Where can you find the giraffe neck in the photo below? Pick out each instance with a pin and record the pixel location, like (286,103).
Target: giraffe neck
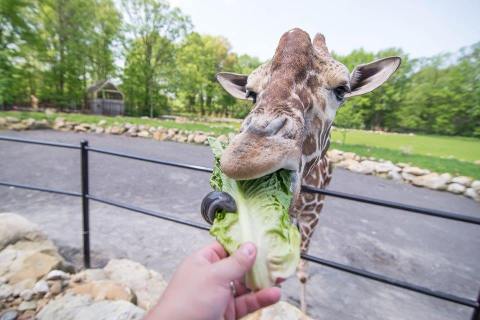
(322,143)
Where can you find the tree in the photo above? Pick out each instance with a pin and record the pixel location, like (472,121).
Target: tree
(152,27)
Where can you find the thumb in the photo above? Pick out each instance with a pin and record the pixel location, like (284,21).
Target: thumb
(235,266)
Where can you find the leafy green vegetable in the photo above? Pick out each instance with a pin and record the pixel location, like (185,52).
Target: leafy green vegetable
(262,218)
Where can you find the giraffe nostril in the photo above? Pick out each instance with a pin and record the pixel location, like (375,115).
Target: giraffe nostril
(267,128)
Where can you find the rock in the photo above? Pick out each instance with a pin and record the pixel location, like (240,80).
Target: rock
(56,287)
(407,176)
(50,112)
(82,307)
(385,167)
(99,130)
(26,294)
(102,123)
(14,228)
(159,135)
(335,155)
(470,192)
(117,130)
(41,124)
(5,291)
(147,285)
(190,138)
(432,181)
(27,305)
(18,126)
(80,128)
(144,134)
(394,175)
(27,315)
(223,138)
(34,267)
(466,181)
(477,162)
(9,315)
(347,163)
(456,188)
(364,167)
(199,138)
(105,290)
(279,311)
(350,156)
(57,275)
(93,275)
(416,171)
(41,288)
(12,119)
(476,186)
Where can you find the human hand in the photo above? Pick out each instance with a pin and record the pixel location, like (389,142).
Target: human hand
(200,288)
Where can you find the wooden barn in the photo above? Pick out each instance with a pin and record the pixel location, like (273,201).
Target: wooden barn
(105,98)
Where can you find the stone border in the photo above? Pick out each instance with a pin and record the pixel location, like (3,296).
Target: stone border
(419,177)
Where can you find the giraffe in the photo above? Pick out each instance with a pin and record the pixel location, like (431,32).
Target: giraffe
(296,95)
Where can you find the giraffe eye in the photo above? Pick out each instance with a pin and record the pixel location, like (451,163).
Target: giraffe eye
(340,92)
(251,94)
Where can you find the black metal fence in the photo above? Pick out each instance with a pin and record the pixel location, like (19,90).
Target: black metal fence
(85,195)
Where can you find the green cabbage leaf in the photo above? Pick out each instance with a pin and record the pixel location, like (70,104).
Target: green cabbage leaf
(262,218)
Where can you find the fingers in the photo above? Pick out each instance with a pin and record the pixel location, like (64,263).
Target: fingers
(213,252)
(235,266)
(240,288)
(253,301)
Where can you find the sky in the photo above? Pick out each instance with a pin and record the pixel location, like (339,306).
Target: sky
(421,28)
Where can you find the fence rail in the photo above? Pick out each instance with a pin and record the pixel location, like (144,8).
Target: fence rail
(86,197)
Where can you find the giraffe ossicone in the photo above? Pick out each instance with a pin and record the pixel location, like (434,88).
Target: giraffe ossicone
(296,96)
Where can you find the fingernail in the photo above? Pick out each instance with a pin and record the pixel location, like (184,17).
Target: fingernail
(248,249)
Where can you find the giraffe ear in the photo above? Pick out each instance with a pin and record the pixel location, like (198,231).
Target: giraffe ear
(367,77)
(234,83)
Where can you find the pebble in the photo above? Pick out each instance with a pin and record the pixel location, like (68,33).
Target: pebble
(26,294)
(57,275)
(56,287)
(9,315)
(27,305)
(41,287)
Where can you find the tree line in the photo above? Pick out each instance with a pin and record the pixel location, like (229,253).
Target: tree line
(55,49)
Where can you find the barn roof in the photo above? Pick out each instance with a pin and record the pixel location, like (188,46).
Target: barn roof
(101,84)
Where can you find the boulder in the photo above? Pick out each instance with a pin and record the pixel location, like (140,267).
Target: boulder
(280,311)
(27,305)
(476,186)
(3,122)
(9,315)
(33,266)
(18,126)
(394,175)
(99,130)
(466,181)
(456,188)
(364,167)
(159,135)
(385,167)
(41,124)
(147,285)
(416,171)
(105,290)
(117,130)
(102,123)
(41,288)
(14,228)
(223,138)
(144,134)
(470,192)
(83,307)
(347,163)
(12,119)
(199,138)
(432,181)
(335,155)
(350,155)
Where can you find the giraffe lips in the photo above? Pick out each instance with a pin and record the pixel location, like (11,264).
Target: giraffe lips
(250,156)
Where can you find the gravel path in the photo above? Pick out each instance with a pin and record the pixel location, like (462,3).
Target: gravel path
(432,252)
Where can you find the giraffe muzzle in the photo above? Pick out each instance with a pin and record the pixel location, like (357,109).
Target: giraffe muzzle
(215,202)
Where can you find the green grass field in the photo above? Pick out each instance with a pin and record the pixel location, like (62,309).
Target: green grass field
(437,153)
(461,148)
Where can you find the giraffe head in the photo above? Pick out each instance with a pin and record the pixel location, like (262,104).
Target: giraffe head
(296,95)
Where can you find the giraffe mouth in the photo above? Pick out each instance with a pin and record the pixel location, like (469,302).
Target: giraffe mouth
(251,156)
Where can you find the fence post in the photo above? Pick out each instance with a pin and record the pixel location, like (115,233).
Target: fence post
(85,203)
(476,311)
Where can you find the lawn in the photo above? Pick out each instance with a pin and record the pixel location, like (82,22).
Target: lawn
(461,148)
(437,153)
